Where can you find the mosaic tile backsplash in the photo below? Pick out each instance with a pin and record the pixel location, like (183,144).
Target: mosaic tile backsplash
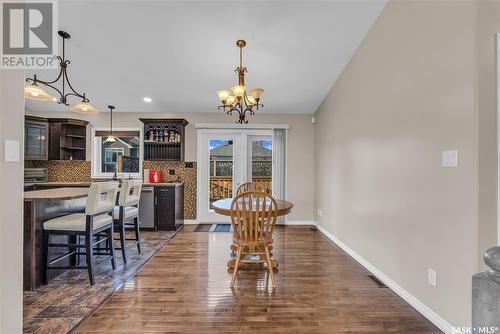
(80,171)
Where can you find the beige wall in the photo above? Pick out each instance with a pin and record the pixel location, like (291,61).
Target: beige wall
(488,26)
(300,145)
(11,203)
(407,95)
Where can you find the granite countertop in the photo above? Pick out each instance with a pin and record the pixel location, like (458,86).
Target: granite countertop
(164,184)
(87,184)
(73,184)
(56,193)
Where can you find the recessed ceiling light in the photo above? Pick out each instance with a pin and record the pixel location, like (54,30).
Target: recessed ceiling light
(148,99)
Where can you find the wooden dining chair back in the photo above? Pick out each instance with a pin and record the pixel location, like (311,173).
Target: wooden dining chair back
(253,218)
(248,186)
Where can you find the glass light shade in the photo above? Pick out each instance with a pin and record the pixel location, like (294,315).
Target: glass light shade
(257,93)
(223,94)
(35,93)
(84,108)
(238,90)
(251,100)
(110,139)
(230,100)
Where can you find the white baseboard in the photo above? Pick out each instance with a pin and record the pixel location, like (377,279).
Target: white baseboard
(409,298)
(289,222)
(298,222)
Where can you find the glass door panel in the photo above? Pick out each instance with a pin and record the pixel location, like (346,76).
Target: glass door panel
(221,169)
(219,172)
(260,161)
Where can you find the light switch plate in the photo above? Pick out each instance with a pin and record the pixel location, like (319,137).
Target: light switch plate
(450,158)
(432,277)
(11,150)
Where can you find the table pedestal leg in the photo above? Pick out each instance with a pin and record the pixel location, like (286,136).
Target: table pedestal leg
(232,261)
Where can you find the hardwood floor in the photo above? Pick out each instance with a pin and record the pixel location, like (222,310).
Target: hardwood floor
(60,305)
(185,289)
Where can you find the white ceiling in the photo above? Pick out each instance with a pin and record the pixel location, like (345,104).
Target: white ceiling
(180,52)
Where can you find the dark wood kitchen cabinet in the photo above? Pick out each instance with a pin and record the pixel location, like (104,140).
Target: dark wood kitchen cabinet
(36,138)
(169,207)
(164,138)
(68,139)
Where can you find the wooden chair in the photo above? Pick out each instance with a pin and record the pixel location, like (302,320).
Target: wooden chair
(126,215)
(253,217)
(248,186)
(93,223)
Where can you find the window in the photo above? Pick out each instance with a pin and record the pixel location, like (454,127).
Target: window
(123,156)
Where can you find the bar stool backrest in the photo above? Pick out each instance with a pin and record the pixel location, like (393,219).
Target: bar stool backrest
(102,198)
(130,193)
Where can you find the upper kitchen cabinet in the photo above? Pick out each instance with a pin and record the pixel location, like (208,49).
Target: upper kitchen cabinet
(68,139)
(36,138)
(164,139)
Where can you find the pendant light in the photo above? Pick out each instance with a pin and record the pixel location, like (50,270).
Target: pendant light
(36,93)
(65,89)
(111,138)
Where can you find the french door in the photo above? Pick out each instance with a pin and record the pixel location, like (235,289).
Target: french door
(228,158)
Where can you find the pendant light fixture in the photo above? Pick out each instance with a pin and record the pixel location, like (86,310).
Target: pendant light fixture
(111,138)
(36,93)
(237,99)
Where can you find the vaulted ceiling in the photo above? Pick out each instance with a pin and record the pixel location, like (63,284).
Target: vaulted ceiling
(180,52)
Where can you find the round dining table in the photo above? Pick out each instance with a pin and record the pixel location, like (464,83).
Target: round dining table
(223,207)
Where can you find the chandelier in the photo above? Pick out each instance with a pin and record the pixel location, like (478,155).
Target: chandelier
(237,99)
(36,93)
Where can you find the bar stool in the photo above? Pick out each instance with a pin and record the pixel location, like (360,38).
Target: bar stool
(96,221)
(126,215)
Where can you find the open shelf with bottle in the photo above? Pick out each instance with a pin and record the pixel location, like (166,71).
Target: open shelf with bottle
(164,139)
(68,139)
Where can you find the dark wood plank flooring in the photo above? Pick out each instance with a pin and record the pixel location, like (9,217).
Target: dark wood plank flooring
(321,289)
(60,305)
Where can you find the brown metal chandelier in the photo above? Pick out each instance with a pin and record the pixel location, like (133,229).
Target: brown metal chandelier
(237,99)
(36,93)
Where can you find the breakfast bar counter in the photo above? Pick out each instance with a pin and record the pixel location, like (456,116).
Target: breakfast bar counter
(40,206)
(56,194)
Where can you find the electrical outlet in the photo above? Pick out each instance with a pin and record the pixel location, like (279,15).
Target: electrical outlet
(320,212)
(432,279)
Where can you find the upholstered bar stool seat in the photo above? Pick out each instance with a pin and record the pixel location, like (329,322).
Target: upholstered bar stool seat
(128,212)
(96,222)
(76,222)
(126,215)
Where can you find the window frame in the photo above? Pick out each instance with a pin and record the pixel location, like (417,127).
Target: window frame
(96,153)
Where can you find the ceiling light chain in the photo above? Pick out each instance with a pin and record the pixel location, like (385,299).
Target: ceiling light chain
(237,99)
